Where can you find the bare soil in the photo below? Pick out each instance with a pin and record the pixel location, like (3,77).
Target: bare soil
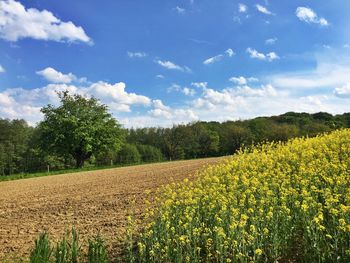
(93,202)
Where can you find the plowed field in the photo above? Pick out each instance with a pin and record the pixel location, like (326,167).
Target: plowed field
(92,202)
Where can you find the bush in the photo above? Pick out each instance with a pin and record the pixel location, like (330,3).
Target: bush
(129,154)
(150,153)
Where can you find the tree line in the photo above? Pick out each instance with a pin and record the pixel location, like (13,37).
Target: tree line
(81,131)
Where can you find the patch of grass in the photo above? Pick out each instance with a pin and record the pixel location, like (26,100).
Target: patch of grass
(97,252)
(42,250)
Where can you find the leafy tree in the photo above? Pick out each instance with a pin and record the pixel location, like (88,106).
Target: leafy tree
(79,127)
(150,153)
(129,154)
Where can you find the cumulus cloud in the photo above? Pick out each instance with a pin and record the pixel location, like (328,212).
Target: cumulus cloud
(17,22)
(242,8)
(308,15)
(24,103)
(263,9)
(175,115)
(136,54)
(2,69)
(170,65)
(343,92)
(55,76)
(261,56)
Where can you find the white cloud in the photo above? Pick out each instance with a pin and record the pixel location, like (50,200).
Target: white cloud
(175,115)
(173,66)
(184,90)
(116,93)
(271,41)
(242,8)
(136,54)
(201,85)
(307,15)
(263,9)
(17,22)
(343,92)
(325,75)
(180,10)
(23,103)
(229,52)
(160,76)
(55,76)
(2,69)
(268,57)
(212,59)
(242,80)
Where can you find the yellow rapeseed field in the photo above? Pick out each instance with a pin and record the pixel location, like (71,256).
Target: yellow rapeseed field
(275,203)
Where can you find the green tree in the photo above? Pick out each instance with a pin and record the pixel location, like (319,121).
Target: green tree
(79,127)
(129,154)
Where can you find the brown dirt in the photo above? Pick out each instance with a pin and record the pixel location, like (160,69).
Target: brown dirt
(93,202)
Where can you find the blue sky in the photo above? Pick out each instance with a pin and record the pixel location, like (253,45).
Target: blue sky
(165,62)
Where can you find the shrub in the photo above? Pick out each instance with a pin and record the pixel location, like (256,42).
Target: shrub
(129,155)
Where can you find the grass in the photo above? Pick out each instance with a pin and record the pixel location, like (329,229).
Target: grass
(77,170)
(65,171)
(68,250)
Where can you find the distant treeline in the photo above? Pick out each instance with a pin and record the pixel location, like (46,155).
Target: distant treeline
(20,150)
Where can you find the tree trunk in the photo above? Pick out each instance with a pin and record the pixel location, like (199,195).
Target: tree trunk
(79,161)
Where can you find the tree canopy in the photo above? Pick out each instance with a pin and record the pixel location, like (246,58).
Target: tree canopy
(79,128)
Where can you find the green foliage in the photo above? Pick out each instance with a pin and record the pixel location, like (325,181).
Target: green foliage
(67,251)
(79,128)
(97,252)
(150,153)
(42,250)
(129,154)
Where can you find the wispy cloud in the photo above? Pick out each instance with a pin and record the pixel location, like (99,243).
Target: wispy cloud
(136,54)
(172,66)
(180,10)
(261,56)
(263,9)
(184,90)
(308,15)
(2,69)
(228,52)
(242,80)
(271,41)
(213,59)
